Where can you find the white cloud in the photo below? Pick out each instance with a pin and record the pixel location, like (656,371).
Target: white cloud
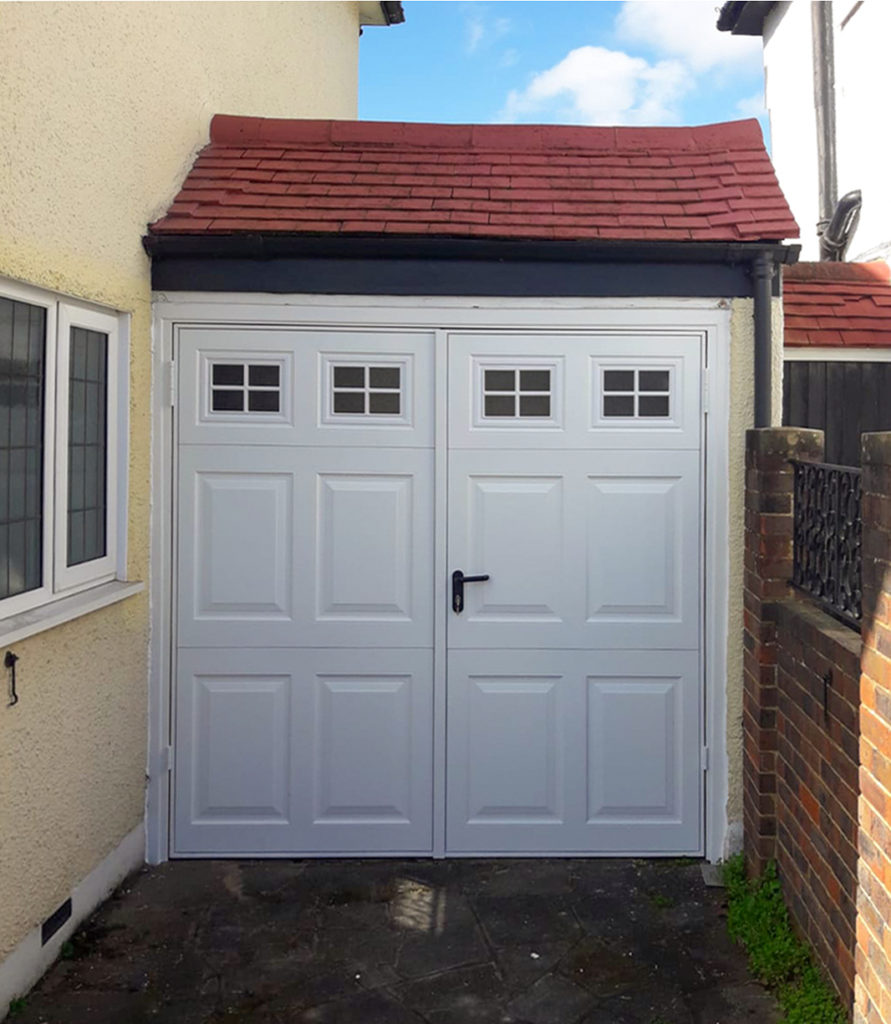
(688,32)
(474,31)
(752,106)
(593,85)
(482,31)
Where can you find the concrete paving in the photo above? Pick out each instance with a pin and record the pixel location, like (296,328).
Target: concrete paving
(405,942)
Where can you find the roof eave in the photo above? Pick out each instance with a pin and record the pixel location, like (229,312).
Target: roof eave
(387,12)
(744,17)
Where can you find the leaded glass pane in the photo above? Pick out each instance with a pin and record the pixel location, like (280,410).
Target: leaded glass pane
(87,445)
(22,368)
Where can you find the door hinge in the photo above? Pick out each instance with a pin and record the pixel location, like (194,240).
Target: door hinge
(170,383)
(704,759)
(705,395)
(166,760)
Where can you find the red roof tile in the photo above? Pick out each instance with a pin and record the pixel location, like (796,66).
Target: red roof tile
(837,304)
(713,182)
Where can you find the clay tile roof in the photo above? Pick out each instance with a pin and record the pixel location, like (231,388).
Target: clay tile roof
(708,183)
(832,304)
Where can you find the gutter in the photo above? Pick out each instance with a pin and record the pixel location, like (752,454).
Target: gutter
(275,246)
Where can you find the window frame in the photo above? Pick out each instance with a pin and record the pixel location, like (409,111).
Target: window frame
(59,580)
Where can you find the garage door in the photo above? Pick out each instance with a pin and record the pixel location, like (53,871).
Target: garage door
(306,492)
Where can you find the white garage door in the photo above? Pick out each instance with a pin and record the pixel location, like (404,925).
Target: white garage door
(304,697)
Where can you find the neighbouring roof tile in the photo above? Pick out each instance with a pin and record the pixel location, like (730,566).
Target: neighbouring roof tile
(706,183)
(837,304)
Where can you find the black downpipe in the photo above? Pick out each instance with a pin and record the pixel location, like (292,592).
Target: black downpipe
(762,273)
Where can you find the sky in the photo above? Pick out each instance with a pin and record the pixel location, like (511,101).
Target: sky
(498,61)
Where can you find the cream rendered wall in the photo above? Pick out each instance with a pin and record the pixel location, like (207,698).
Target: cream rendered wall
(102,108)
(742,417)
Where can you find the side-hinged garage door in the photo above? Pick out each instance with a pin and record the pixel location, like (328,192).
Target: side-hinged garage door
(303,706)
(574,699)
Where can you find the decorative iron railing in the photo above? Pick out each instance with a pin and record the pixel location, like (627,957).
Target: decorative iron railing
(826,558)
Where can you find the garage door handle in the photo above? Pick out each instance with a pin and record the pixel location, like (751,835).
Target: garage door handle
(458,581)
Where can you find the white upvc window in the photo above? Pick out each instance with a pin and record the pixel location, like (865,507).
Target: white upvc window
(62,449)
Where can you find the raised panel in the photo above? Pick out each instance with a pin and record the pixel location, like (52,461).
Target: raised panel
(242,547)
(634,748)
(365,547)
(515,531)
(633,561)
(513,764)
(364,749)
(239,749)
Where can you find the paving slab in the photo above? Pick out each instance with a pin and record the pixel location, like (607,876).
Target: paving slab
(526,941)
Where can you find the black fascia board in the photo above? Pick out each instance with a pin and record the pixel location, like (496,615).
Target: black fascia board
(744,18)
(278,245)
(458,267)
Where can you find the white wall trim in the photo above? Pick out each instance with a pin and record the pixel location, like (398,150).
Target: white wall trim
(443,314)
(26,964)
(842,354)
(717,582)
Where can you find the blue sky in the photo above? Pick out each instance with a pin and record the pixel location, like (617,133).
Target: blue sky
(543,62)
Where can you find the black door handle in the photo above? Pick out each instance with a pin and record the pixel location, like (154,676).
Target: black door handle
(458,581)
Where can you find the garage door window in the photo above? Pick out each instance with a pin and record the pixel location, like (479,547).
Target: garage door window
(366,390)
(245,387)
(636,393)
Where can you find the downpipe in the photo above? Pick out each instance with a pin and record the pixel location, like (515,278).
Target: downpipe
(763,269)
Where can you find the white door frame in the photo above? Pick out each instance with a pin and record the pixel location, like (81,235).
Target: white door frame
(711,317)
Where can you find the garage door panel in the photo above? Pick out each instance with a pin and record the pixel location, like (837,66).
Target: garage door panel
(364,749)
(515,528)
(240,748)
(263,385)
(316,751)
(243,543)
(234,784)
(642,533)
(367,580)
(365,551)
(287,547)
(506,782)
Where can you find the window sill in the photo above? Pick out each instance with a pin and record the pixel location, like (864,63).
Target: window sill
(64,609)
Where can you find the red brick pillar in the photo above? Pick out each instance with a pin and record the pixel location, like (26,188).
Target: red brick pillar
(768,569)
(873,958)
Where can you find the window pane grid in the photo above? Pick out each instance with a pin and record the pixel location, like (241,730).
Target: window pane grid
(366,390)
(636,394)
(87,445)
(509,393)
(245,387)
(22,369)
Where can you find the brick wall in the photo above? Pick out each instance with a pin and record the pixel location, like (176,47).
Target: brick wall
(873,983)
(768,568)
(801,718)
(818,691)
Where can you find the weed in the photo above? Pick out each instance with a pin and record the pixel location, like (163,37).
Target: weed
(659,899)
(757,918)
(67,951)
(17,1006)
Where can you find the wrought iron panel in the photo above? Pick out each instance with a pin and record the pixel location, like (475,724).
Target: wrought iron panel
(827,532)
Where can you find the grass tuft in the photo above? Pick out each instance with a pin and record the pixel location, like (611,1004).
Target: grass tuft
(757,918)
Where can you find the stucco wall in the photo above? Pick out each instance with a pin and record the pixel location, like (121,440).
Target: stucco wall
(863,146)
(742,417)
(789,91)
(863,150)
(102,107)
